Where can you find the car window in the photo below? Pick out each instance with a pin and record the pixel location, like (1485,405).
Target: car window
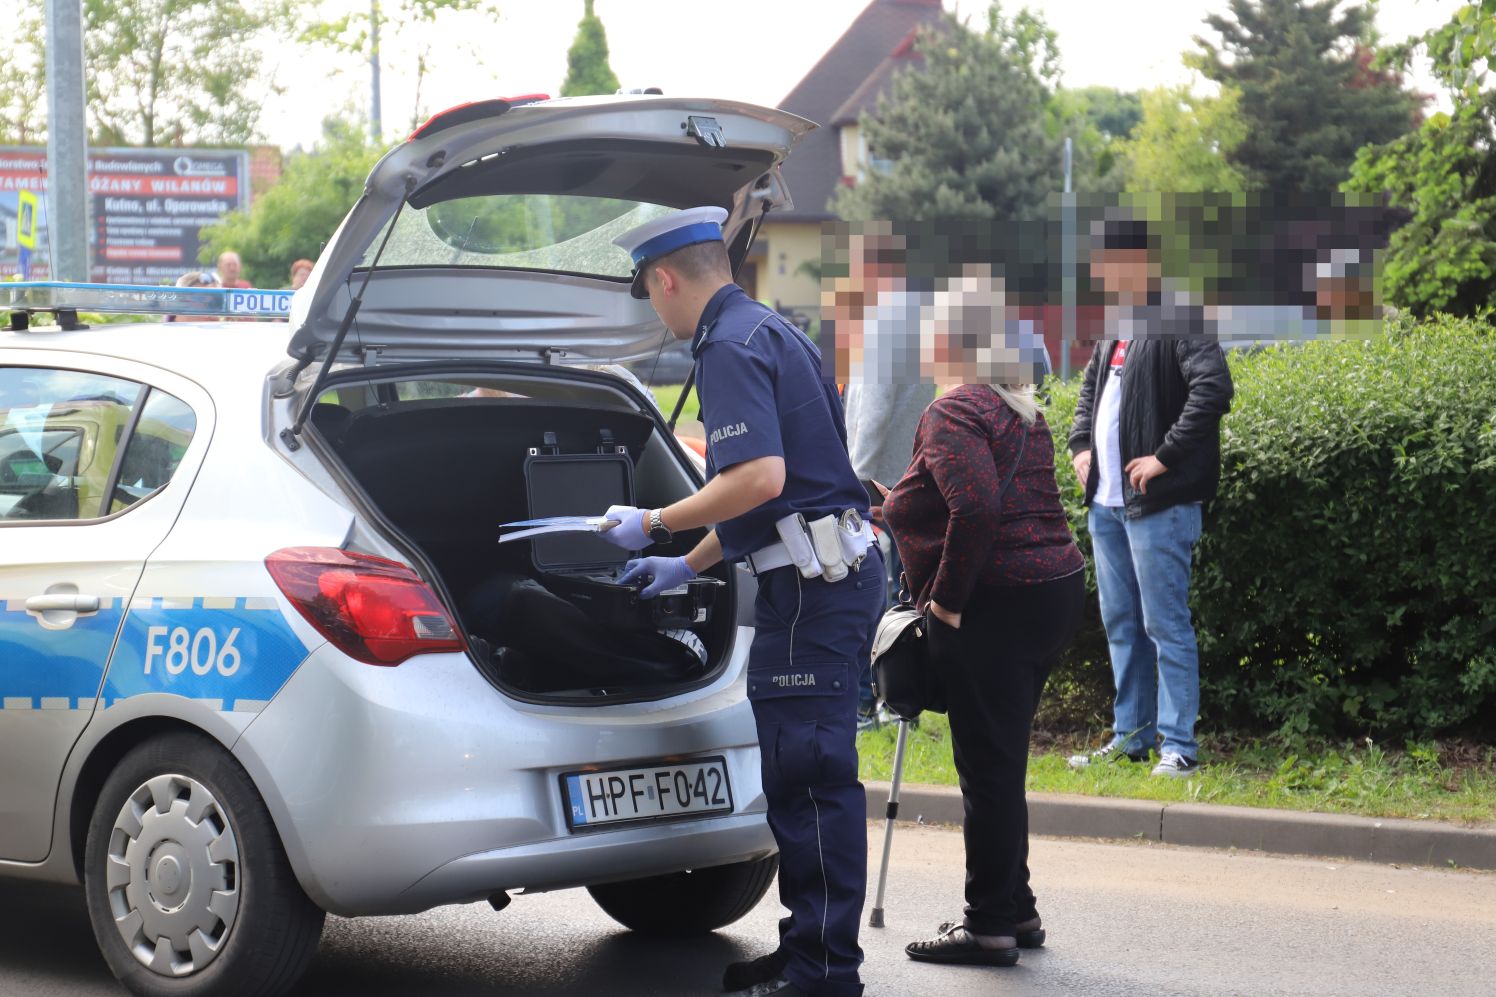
(61,433)
(155,449)
(561,232)
(411,391)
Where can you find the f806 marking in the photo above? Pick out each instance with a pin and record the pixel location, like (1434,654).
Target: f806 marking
(198,650)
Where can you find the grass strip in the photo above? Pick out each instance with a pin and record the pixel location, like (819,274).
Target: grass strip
(1447,781)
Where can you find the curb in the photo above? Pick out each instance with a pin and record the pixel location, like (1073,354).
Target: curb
(1280,832)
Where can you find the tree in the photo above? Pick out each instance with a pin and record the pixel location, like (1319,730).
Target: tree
(964,133)
(160,72)
(297,216)
(1444,176)
(1114,113)
(175,72)
(587,69)
(1098,120)
(1306,100)
(353,32)
(1184,142)
(23,80)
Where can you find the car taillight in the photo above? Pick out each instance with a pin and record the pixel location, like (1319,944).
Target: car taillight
(373,609)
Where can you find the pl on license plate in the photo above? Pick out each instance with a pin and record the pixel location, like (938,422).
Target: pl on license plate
(651,793)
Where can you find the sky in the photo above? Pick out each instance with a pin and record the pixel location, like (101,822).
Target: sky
(755,51)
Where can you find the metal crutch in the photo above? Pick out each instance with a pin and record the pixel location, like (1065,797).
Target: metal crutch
(876,918)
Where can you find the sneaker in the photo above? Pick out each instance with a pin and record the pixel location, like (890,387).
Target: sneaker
(1176,765)
(1113,752)
(742,975)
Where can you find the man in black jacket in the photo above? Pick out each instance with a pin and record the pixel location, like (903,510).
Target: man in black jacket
(1146,445)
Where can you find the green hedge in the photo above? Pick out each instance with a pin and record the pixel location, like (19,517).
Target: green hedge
(1346,581)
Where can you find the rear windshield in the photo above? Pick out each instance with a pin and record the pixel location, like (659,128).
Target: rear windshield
(560,232)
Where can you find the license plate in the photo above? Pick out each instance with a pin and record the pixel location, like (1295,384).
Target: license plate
(654,792)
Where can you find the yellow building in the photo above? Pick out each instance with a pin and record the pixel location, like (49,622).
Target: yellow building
(846,81)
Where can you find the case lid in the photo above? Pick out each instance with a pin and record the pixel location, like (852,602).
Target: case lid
(577,485)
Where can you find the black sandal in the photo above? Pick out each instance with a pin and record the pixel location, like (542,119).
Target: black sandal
(1030,937)
(955,945)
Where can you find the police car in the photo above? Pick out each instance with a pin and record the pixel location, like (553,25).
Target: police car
(240,682)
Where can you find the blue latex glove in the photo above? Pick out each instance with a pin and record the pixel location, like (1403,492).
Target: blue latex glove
(629,533)
(665,573)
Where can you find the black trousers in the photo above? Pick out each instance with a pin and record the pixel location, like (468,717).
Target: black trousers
(994,669)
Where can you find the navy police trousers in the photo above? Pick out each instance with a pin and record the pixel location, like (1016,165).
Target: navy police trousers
(812,643)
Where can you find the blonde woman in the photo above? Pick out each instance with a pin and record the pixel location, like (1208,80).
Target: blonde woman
(988,555)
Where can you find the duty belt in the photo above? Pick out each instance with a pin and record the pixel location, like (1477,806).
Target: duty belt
(829,546)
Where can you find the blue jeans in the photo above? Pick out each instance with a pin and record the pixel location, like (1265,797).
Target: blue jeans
(1143,579)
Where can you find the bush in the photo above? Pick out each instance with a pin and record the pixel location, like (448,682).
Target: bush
(1344,583)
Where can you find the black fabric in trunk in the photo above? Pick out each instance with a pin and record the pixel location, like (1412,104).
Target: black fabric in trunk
(447,473)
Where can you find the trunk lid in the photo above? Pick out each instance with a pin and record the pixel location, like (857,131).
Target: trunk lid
(497,220)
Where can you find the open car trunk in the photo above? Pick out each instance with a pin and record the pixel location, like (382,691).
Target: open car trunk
(445,457)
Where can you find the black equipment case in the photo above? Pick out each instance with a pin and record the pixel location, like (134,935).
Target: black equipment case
(583,568)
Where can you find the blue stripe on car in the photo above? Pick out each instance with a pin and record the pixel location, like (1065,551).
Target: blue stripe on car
(239,655)
(233,653)
(38,664)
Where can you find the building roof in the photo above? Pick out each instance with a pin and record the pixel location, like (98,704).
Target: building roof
(865,97)
(860,62)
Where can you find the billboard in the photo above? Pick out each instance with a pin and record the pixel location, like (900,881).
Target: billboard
(146,208)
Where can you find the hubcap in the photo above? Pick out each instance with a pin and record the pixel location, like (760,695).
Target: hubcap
(173,875)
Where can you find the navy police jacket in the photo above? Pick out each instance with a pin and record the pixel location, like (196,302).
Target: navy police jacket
(764,393)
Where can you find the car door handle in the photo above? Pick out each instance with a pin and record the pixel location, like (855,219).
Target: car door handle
(62,602)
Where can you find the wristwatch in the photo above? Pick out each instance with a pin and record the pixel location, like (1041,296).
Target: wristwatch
(658,532)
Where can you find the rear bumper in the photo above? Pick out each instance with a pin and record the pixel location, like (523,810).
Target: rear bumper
(399,789)
(585,860)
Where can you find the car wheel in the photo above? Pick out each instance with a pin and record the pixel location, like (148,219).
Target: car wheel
(688,903)
(188,888)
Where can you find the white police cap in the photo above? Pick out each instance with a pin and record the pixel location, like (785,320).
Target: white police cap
(663,236)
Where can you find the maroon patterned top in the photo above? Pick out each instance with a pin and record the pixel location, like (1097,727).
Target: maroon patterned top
(944,513)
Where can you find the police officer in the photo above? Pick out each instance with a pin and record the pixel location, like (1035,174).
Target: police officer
(777,466)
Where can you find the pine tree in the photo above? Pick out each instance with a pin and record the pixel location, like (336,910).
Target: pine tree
(964,134)
(1306,98)
(587,69)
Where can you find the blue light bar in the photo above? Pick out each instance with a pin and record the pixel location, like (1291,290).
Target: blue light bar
(142,299)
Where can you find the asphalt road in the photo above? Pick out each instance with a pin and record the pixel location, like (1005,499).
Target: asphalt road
(1123,919)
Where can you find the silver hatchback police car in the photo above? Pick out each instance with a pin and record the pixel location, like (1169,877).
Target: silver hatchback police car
(261,655)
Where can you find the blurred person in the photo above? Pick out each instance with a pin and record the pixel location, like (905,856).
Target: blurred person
(230,269)
(1146,448)
(194,278)
(1343,288)
(885,396)
(990,559)
(300,271)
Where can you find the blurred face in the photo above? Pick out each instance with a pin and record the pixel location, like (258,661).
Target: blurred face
(299,276)
(1125,274)
(1342,298)
(972,336)
(229,267)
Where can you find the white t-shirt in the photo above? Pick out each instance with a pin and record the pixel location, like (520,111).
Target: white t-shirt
(1107,428)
